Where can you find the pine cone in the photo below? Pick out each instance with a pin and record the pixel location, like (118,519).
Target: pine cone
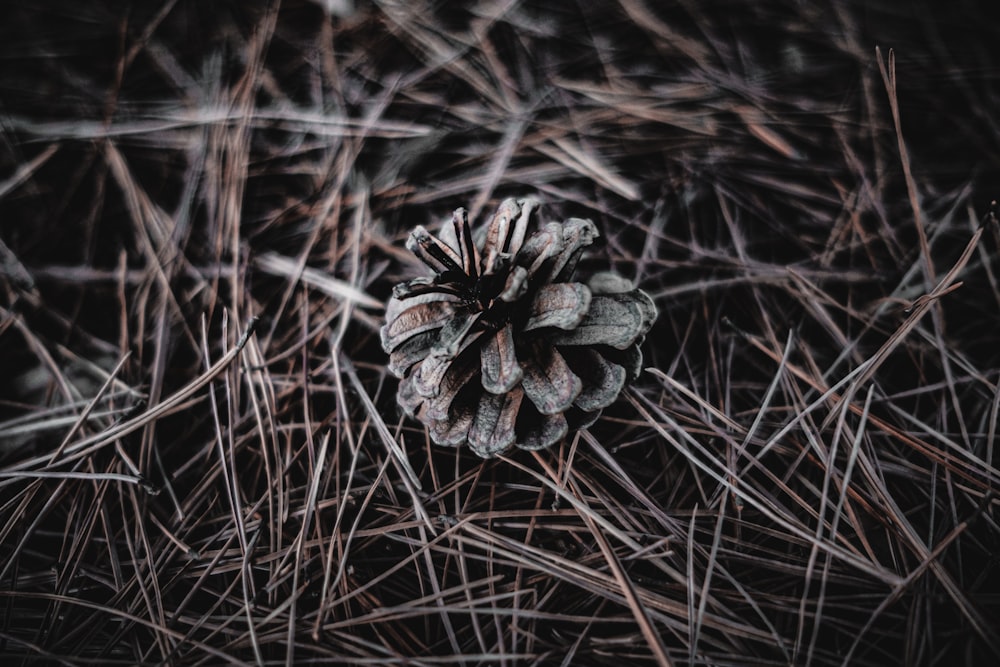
(501,347)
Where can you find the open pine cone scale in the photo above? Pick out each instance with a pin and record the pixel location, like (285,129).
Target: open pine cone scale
(502,347)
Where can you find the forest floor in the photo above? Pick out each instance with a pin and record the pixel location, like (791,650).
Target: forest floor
(204,209)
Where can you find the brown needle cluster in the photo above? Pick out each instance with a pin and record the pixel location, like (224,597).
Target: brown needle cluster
(502,347)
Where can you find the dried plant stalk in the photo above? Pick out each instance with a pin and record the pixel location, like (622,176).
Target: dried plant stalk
(502,347)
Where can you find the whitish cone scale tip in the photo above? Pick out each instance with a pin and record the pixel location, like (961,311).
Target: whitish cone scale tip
(503,347)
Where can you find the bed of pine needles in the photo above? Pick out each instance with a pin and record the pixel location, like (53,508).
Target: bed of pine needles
(203,208)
